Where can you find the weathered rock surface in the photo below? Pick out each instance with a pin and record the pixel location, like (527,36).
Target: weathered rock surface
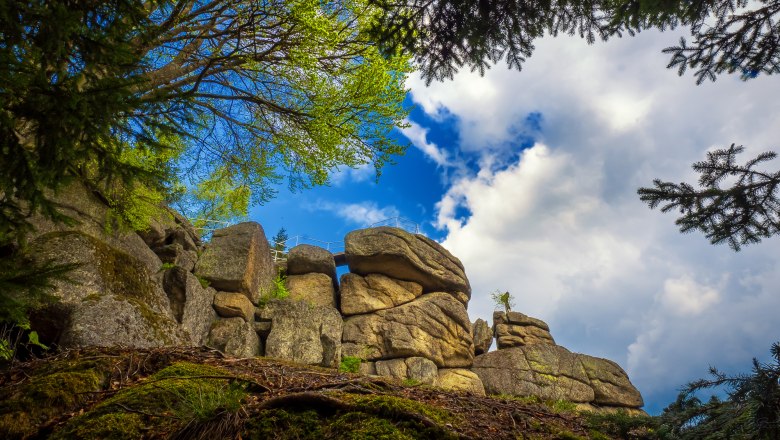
(91,216)
(515,329)
(434,326)
(303,333)
(191,303)
(415,368)
(113,300)
(518,318)
(238,259)
(313,288)
(170,227)
(235,337)
(404,256)
(459,379)
(305,258)
(483,336)
(610,383)
(175,254)
(552,373)
(374,292)
(234,305)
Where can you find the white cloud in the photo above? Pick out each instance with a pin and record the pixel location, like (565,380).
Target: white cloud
(361,214)
(561,226)
(418,136)
(360,173)
(685,296)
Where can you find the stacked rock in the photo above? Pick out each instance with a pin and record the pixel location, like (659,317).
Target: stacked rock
(404,306)
(237,262)
(306,327)
(529,363)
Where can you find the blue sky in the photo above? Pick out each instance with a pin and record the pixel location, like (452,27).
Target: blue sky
(530,179)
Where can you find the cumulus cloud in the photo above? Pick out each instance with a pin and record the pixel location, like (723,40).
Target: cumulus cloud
(418,136)
(560,226)
(361,214)
(345,175)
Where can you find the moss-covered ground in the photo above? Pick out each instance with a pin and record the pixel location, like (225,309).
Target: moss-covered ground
(113,393)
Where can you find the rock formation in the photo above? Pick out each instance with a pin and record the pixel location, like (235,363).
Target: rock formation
(401,309)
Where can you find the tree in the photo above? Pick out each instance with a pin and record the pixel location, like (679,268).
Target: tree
(230,97)
(741,214)
(503,299)
(279,243)
(750,411)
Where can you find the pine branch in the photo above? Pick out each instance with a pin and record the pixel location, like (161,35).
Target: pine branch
(741,214)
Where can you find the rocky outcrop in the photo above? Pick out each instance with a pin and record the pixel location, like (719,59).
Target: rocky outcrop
(238,259)
(554,373)
(404,256)
(417,369)
(313,288)
(235,337)
(374,292)
(483,336)
(303,333)
(173,239)
(305,259)
(515,329)
(111,299)
(434,326)
(459,379)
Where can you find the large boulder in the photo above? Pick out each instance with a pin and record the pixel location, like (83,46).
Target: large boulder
(483,336)
(435,326)
(305,258)
(374,292)
(91,216)
(404,256)
(459,379)
(236,337)
(553,373)
(414,368)
(112,297)
(302,333)
(515,329)
(234,305)
(549,372)
(191,303)
(313,288)
(610,383)
(238,259)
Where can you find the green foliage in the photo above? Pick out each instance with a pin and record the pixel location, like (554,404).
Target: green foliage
(563,406)
(750,411)
(25,286)
(279,244)
(68,79)
(503,299)
(741,214)
(350,364)
(280,289)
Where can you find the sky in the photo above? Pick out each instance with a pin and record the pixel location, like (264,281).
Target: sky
(530,179)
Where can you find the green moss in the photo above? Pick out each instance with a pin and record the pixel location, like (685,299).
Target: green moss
(59,387)
(92,297)
(115,426)
(562,406)
(173,397)
(350,364)
(391,406)
(409,382)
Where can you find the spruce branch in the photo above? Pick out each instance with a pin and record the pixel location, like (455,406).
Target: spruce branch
(740,214)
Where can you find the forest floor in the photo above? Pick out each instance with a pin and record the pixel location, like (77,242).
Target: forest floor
(198,393)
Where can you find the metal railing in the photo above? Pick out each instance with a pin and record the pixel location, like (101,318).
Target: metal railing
(399,222)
